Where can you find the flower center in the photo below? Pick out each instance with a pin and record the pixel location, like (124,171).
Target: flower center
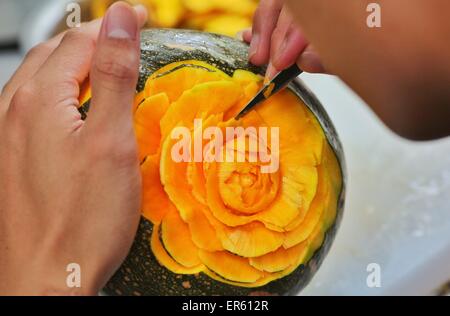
(245,189)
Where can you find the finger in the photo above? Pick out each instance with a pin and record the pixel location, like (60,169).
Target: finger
(114,72)
(287,43)
(277,37)
(293,44)
(37,56)
(142,14)
(240,34)
(65,69)
(264,22)
(310,61)
(247,35)
(31,63)
(281,29)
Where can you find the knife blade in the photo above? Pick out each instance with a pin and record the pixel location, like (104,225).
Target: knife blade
(281,80)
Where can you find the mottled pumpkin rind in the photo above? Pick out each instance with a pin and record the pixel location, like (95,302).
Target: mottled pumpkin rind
(141,274)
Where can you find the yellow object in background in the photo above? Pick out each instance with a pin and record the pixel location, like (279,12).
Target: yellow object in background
(225,17)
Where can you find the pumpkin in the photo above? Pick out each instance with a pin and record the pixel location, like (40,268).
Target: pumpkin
(226,227)
(216,16)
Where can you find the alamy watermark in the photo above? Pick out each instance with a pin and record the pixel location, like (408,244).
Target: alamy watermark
(374,18)
(250,144)
(373,279)
(74,17)
(73,279)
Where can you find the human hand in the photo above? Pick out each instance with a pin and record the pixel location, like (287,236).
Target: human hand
(277,41)
(70,189)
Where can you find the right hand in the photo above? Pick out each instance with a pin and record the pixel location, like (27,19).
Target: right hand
(277,41)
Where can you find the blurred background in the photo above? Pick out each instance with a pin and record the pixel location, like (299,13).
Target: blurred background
(397,211)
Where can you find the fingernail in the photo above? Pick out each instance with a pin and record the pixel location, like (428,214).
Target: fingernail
(121,22)
(253,46)
(240,36)
(139,8)
(247,35)
(270,73)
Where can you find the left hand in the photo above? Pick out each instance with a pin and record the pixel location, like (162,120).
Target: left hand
(70,189)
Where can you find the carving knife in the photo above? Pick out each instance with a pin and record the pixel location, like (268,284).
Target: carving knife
(281,80)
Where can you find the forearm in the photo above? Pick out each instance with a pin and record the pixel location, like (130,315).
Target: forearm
(401,69)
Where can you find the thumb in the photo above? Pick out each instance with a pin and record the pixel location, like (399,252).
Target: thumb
(288,49)
(114,71)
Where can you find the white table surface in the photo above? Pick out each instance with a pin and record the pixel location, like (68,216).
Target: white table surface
(9,61)
(398,203)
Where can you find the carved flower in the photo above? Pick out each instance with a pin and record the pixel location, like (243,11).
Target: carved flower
(231,219)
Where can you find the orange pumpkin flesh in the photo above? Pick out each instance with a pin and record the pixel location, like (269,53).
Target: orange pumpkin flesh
(227,219)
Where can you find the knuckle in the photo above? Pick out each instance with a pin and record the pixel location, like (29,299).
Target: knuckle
(114,69)
(125,154)
(74,34)
(64,90)
(24,94)
(277,32)
(80,37)
(105,148)
(21,100)
(98,148)
(121,67)
(6,87)
(39,50)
